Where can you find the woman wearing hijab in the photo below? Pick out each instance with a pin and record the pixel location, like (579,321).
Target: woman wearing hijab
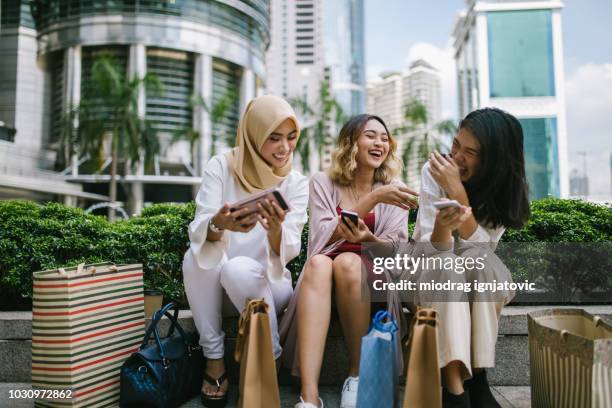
(362,180)
(245,255)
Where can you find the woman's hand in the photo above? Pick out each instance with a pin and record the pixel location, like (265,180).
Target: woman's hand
(237,221)
(397,195)
(449,219)
(271,216)
(357,233)
(445,172)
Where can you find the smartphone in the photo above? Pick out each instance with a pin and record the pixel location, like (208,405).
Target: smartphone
(350,215)
(252,201)
(446,203)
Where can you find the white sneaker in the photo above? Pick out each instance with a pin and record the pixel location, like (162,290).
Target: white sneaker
(349,392)
(303,404)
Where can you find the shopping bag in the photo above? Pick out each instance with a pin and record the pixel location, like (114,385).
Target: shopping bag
(86,321)
(570,356)
(258,386)
(423,385)
(378,365)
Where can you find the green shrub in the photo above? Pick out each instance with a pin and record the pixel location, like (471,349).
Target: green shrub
(34,237)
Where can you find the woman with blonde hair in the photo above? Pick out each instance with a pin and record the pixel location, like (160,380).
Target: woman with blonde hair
(362,180)
(241,253)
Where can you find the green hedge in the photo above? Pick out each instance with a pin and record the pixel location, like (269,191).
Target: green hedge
(34,237)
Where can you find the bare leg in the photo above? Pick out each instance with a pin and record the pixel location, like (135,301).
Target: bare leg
(313,314)
(354,311)
(451,377)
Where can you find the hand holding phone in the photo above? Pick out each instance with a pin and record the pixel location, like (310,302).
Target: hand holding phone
(350,219)
(250,203)
(446,204)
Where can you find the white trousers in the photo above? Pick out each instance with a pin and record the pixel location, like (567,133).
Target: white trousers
(242,278)
(467,331)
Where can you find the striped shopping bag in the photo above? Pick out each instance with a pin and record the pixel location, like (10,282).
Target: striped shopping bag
(86,321)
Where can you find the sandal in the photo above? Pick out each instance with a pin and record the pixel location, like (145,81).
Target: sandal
(214,401)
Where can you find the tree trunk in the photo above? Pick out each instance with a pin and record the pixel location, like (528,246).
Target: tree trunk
(113,181)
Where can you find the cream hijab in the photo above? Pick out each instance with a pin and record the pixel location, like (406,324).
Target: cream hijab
(261,116)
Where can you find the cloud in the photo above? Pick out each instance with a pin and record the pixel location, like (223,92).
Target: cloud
(443,60)
(373,72)
(589,123)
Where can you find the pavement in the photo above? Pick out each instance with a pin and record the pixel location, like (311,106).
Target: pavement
(508,397)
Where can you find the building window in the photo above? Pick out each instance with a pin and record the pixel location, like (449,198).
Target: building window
(171,111)
(521,53)
(226,84)
(541,156)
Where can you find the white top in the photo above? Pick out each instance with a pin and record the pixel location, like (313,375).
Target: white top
(219,186)
(426,217)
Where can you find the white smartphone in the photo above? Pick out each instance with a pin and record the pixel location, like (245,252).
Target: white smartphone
(446,203)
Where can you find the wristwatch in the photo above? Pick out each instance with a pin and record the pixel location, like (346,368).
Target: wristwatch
(213,227)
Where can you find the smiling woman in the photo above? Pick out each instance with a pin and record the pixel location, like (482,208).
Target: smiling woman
(240,252)
(362,181)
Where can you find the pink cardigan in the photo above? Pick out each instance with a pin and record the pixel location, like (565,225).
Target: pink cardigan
(391,224)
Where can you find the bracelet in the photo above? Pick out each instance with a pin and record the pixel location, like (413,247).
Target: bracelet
(213,227)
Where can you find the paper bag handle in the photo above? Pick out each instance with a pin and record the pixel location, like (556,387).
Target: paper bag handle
(91,270)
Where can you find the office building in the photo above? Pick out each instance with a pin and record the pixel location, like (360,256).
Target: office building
(315,42)
(509,55)
(388,97)
(194,47)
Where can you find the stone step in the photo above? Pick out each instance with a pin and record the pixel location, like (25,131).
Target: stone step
(508,397)
(512,357)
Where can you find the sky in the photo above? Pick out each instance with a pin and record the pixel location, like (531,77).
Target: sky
(399,31)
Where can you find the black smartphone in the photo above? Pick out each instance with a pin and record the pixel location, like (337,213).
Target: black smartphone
(280,200)
(349,215)
(251,202)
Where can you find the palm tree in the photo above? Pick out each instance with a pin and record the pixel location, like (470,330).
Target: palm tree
(424,138)
(218,112)
(315,122)
(109,109)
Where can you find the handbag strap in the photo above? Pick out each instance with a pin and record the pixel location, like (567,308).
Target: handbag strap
(153,329)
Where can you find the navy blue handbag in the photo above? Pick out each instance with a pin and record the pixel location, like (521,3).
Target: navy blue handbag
(166,373)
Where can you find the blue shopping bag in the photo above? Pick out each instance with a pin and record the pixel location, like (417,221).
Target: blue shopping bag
(378,368)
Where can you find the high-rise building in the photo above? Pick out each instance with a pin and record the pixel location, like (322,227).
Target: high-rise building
(579,184)
(343,40)
(388,97)
(194,47)
(509,54)
(315,42)
(294,59)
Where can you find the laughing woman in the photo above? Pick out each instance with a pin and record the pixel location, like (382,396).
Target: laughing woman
(486,175)
(245,255)
(361,179)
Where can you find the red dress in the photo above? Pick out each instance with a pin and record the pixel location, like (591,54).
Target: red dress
(356,247)
(366,260)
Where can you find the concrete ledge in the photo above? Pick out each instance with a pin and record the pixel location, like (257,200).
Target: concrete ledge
(15,360)
(512,357)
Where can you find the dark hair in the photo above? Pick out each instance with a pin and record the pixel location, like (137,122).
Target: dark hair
(344,156)
(498,192)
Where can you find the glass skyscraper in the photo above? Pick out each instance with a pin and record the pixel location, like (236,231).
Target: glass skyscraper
(343,39)
(509,55)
